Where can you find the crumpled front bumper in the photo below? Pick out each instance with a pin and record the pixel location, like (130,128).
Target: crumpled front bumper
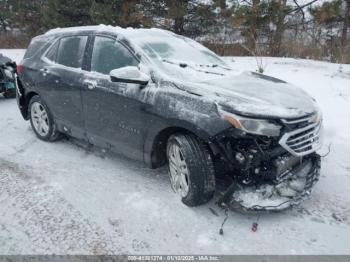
(275,197)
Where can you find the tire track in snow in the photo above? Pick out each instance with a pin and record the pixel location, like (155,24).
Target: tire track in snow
(24,147)
(44,221)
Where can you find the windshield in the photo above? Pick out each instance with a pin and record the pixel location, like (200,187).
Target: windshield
(176,48)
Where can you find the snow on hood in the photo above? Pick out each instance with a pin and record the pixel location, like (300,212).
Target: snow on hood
(254,95)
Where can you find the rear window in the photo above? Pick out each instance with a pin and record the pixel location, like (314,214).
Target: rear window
(71,51)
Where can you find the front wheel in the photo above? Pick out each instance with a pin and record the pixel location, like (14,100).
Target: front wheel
(191,169)
(42,121)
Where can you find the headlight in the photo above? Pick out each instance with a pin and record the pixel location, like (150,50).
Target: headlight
(251,125)
(318,116)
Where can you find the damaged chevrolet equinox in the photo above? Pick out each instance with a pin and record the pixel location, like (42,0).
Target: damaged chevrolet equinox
(164,99)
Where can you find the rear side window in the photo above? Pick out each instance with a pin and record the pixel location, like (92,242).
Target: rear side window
(34,48)
(71,51)
(52,53)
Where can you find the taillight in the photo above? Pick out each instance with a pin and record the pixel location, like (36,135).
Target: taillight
(19,69)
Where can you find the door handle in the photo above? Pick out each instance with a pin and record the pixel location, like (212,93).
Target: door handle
(91,84)
(44,71)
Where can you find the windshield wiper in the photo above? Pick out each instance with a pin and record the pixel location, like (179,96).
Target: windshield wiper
(184,65)
(223,67)
(181,64)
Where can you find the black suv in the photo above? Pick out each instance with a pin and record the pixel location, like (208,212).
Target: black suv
(161,98)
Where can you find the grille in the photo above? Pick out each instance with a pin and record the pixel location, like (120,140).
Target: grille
(305,140)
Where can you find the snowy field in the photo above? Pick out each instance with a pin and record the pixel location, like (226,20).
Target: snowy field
(61,198)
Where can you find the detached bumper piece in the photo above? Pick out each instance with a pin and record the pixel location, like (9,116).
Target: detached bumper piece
(279,196)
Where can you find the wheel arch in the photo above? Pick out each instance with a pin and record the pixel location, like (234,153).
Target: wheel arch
(25,104)
(156,141)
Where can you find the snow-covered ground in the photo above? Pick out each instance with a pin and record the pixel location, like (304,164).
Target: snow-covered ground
(61,198)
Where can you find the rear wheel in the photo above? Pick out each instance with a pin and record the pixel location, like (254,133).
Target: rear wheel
(191,169)
(42,121)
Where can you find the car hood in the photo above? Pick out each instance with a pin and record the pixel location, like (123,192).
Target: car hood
(255,95)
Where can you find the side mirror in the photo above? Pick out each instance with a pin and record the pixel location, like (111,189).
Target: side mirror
(130,75)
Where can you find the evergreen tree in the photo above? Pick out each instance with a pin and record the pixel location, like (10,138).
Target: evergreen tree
(122,13)
(333,18)
(189,17)
(29,15)
(23,15)
(65,13)
(253,19)
(328,13)
(331,15)
(5,14)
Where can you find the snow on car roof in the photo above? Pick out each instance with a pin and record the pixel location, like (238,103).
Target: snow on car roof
(130,32)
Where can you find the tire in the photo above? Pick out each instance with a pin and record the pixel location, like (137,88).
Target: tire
(199,171)
(37,106)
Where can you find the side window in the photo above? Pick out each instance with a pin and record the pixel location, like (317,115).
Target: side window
(108,54)
(33,48)
(52,53)
(71,51)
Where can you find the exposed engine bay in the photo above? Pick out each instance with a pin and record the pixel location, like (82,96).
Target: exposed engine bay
(264,175)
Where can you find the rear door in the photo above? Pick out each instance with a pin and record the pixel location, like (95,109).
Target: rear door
(114,114)
(62,84)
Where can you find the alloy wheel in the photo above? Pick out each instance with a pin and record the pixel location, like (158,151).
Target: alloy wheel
(40,119)
(178,170)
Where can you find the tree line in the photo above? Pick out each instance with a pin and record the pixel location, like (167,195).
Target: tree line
(298,28)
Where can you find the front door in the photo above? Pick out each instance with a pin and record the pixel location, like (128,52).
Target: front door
(113,114)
